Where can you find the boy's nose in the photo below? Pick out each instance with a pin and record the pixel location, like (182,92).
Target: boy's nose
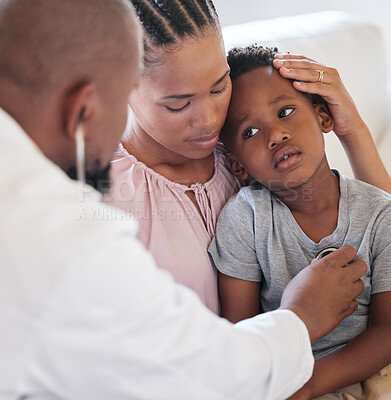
(276,138)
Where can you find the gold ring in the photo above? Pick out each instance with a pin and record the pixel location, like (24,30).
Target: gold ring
(320,79)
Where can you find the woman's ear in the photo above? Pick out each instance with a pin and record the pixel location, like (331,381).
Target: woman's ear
(236,167)
(325,119)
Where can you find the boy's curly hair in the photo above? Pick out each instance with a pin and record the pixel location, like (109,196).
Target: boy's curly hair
(245,59)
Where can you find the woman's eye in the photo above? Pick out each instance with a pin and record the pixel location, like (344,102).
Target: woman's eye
(222,90)
(249,133)
(175,110)
(285,112)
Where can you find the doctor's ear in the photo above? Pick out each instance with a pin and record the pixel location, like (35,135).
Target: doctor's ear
(325,119)
(80,118)
(236,167)
(80,103)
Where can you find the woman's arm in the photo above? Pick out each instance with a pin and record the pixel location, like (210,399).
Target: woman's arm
(239,299)
(349,126)
(358,360)
(365,159)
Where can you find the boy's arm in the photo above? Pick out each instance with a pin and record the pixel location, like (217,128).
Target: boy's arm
(358,360)
(239,298)
(234,256)
(348,125)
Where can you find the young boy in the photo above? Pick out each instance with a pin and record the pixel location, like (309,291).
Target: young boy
(297,208)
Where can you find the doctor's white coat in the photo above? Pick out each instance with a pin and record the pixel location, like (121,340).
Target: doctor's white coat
(85,314)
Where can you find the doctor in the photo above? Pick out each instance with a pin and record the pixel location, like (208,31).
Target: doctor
(84,313)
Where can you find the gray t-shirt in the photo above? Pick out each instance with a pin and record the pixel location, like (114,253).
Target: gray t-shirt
(257,239)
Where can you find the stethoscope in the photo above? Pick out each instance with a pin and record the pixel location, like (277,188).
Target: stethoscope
(325,252)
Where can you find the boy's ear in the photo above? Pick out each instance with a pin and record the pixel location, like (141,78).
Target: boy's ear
(236,167)
(325,119)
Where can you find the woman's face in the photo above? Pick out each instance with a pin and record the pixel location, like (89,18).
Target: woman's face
(181,103)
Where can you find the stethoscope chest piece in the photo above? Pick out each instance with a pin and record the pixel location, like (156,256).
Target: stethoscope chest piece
(325,252)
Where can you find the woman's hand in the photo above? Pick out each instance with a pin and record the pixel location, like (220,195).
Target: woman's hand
(312,77)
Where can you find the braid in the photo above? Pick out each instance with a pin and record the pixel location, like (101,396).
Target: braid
(167,22)
(208,10)
(177,17)
(153,22)
(195,12)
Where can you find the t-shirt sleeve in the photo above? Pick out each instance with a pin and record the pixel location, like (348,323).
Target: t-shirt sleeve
(381,266)
(232,250)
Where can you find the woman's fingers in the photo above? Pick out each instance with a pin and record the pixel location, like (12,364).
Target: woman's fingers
(314,88)
(306,70)
(308,75)
(313,81)
(303,63)
(287,56)
(311,77)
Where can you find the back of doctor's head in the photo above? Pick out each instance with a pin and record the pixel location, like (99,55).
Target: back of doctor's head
(45,43)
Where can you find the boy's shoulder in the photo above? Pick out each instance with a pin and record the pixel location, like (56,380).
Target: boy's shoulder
(248,199)
(247,205)
(253,192)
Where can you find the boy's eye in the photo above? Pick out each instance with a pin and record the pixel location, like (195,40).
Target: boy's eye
(249,133)
(285,112)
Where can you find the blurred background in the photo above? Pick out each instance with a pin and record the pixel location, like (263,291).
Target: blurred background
(375,11)
(353,36)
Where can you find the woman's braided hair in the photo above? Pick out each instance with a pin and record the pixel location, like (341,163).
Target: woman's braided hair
(168,22)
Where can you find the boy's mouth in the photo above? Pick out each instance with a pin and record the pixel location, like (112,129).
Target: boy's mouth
(286,157)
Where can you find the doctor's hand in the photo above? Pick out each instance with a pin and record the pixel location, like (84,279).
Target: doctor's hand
(302,394)
(312,77)
(324,293)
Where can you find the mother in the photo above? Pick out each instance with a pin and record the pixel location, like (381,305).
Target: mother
(168,171)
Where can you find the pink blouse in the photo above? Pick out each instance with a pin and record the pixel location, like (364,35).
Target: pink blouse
(170,226)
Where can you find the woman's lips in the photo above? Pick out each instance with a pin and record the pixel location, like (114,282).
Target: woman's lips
(205,142)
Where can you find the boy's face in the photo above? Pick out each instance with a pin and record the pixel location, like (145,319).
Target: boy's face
(274,131)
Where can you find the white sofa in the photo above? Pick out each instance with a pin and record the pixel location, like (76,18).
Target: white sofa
(352,45)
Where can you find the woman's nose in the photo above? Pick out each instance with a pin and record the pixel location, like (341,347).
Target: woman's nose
(206,117)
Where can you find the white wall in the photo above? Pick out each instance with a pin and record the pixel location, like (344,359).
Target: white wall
(376,11)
